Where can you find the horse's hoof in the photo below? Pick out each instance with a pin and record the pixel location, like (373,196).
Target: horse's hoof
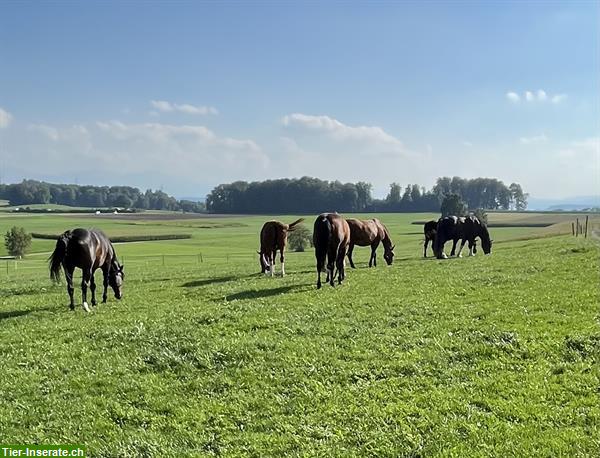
(318,285)
(444,256)
(86,307)
(459,256)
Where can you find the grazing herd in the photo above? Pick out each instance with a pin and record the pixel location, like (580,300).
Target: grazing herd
(334,238)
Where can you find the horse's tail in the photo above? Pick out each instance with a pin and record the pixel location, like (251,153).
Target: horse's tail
(56,258)
(293,225)
(321,236)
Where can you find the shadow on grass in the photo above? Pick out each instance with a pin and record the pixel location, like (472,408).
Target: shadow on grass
(256,294)
(209,281)
(17,313)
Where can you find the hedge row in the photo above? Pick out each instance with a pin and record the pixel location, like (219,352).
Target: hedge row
(73,210)
(124,238)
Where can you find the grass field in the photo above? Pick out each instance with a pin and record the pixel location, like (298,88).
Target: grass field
(486,356)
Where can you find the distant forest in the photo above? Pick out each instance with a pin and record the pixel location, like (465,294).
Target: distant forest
(312,195)
(301,195)
(38,192)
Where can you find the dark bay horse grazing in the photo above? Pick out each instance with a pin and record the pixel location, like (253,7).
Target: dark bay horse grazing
(429,230)
(89,250)
(370,232)
(273,237)
(466,229)
(331,237)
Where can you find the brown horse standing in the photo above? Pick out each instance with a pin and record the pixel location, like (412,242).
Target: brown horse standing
(429,230)
(89,250)
(273,237)
(370,232)
(331,237)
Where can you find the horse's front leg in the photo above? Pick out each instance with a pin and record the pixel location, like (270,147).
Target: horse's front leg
(472,247)
(459,255)
(93,289)
(350,256)
(104,284)
(70,289)
(282,259)
(425,247)
(85,280)
(373,260)
(454,243)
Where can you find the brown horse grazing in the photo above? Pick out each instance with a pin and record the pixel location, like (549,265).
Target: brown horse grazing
(331,237)
(370,232)
(429,230)
(89,250)
(273,237)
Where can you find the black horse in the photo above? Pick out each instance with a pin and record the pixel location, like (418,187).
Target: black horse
(89,250)
(429,230)
(466,229)
(331,238)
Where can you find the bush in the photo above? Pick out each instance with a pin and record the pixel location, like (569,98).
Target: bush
(453,205)
(300,238)
(17,241)
(481,215)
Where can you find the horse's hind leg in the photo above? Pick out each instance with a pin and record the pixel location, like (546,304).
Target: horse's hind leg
(85,280)
(425,247)
(70,289)
(282,259)
(341,256)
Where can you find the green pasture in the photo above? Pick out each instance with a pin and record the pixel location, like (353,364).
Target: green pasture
(485,356)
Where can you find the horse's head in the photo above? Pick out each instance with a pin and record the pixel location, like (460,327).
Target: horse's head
(388,255)
(115,279)
(486,245)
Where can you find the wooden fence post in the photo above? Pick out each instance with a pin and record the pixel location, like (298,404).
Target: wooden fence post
(573,228)
(586,224)
(577,228)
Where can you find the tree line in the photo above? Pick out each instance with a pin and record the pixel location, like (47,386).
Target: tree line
(312,195)
(38,192)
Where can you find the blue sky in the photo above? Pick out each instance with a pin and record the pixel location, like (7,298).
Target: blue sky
(185,96)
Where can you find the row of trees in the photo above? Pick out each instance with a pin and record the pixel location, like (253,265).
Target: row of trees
(38,192)
(312,195)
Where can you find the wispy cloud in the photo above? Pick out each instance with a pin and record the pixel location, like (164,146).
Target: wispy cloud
(5,118)
(535,96)
(536,139)
(168,107)
(339,131)
(558,98)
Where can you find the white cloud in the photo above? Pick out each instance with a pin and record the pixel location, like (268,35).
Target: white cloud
(513,97)
(539,96)
(338,131)
(467,143)
(187,156)
(168,107)
(5,118)
(325,147)
(536,139)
